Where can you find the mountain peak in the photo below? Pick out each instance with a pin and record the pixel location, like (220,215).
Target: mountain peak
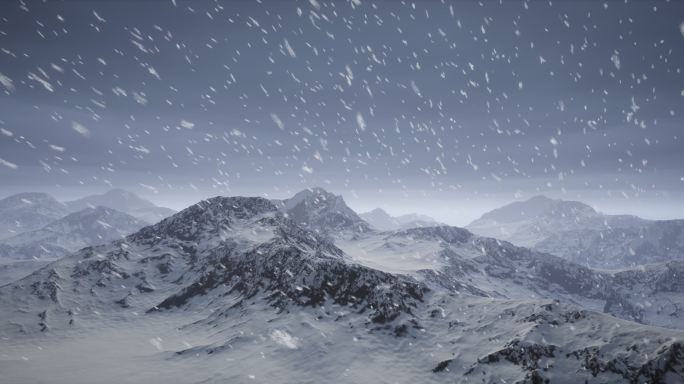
(222,207)
(28,211)
(528,222)
(121,193)
(309,194)
(209,217)
(317,209)
(536,206)
(540,198)
(26,199)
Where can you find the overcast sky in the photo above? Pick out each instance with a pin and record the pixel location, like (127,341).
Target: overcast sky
(439,107)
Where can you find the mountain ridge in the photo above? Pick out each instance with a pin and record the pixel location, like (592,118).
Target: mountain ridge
(239,278)
(124,201)
(28,211)
(76,230)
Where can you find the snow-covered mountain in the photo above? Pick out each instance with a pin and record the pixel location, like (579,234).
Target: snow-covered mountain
(578,233)
(215,290)
(90,226)
(380,219)
(28,211)
(614,248)
(526,223)
(218,247)
(123,201)
(456,260)
(323,212)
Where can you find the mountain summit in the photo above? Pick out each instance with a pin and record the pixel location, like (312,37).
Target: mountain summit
(526,223)
(322,211)
(28,211)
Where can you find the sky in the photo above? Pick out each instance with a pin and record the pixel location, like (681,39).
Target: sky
(447,108)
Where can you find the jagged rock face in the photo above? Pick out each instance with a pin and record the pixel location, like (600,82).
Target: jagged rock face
(287,273)
(219,246)
(458,261)
(322,211)
(211,219)
(90,226)
(28,211)
(294,267)
(532,353)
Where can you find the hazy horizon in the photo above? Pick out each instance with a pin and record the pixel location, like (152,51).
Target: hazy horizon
(460,213)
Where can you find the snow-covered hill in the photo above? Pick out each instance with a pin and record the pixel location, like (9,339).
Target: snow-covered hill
(224,285)
(25,212)
(89,226)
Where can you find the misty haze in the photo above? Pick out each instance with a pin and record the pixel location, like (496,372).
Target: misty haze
(348,191)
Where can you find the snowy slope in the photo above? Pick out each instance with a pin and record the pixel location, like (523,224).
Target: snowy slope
(239,244)
(614,248)
(13,270)
(528,222)
(457,260)
(89,226)
(578,233)
(28,211)
(323,212)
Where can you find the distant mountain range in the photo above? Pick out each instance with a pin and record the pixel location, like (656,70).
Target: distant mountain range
(578,233)
(305,280)
(123,201)
(382,220)
(36,225)
(89,226)
(25,212)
